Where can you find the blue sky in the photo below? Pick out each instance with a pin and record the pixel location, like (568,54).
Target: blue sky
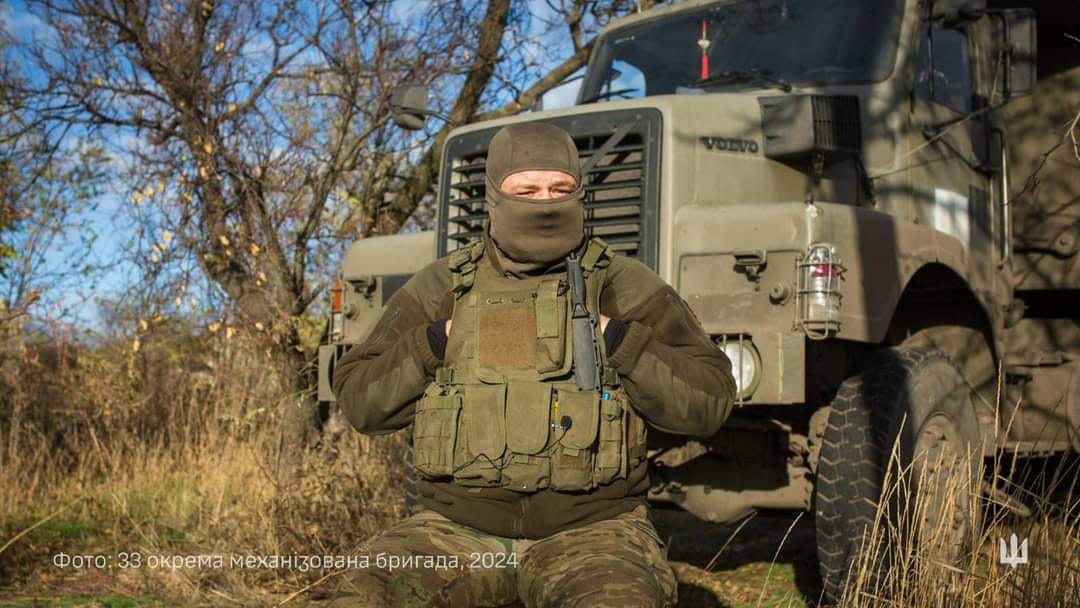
(116,274)
(109,219)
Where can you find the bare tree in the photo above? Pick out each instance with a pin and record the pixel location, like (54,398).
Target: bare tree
(45,191)
(258,133)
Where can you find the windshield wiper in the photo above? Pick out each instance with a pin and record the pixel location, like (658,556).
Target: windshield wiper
(733,76)
(606,94)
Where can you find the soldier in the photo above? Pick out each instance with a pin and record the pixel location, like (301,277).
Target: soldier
(529,445)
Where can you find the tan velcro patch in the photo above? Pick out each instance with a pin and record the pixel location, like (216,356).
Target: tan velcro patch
(507,337)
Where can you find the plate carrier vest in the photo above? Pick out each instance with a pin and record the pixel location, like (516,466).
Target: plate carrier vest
(504,410)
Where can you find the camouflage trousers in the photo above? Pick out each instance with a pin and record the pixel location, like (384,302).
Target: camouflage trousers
(618,562)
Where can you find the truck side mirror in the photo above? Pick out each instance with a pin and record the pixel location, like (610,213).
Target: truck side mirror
(408,106)
(1020,51)
(1021,45)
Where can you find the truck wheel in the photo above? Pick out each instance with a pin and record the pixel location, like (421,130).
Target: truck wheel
(916,400)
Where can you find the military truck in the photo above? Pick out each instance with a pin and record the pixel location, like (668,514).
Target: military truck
(871,206)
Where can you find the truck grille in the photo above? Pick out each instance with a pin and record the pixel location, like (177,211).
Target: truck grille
(621,187)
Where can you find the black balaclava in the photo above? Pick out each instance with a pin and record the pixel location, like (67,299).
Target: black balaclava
(533,234)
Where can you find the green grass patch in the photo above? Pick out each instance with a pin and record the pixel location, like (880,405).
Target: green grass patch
(166,509)
(67,529)
(58,528)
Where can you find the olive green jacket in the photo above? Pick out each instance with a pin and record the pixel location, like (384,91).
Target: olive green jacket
(676,378)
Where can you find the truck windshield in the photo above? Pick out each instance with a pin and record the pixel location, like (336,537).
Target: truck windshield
(769,43)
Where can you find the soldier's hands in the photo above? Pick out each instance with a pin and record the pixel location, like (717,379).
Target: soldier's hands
(449,322)
(603,323)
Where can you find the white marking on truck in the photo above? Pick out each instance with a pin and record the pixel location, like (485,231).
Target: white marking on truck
(951,214)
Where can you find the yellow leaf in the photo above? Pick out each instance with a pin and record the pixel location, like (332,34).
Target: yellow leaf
(98,82)
(208,148)
(232,108)
(143,325)
(148,192)
(135,346)
(229,331)
(224,240)
(136,197)
(154,257)
(258,326)
(214,327)
(187,196)
(161,186)
(167,237)
(254,249)
(219,47)
(157,318)
(261,276)
(179,301)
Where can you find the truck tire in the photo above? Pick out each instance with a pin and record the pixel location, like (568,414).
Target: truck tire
(917,400)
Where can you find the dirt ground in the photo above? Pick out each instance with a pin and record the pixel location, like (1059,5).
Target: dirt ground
(757,565)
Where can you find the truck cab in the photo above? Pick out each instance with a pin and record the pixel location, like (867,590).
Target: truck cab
(829,187)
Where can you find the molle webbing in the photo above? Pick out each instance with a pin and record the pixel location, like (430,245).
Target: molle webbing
(447,376)
(463,262)
(462,265)
(596,249)
(504,410)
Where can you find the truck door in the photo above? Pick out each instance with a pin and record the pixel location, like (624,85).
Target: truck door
(950,181)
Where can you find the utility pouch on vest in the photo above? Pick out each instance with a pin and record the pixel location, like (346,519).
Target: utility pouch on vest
(636,447)
(528,410)
(552,358)
(528,415)
(573,440)
(483,442)
(435,431)
(610,463)
(505,410)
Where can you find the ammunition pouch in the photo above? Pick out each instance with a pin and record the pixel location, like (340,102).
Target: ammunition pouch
(526,436)
(505,411)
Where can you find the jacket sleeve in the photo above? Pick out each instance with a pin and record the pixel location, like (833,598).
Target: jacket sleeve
(676,378)
(378,381)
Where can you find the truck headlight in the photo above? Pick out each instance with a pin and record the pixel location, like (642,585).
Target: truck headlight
(745,363)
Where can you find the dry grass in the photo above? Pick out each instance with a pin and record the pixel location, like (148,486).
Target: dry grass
(904,560)
(171,451)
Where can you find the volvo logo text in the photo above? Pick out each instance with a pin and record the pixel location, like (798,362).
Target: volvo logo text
(730,145)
